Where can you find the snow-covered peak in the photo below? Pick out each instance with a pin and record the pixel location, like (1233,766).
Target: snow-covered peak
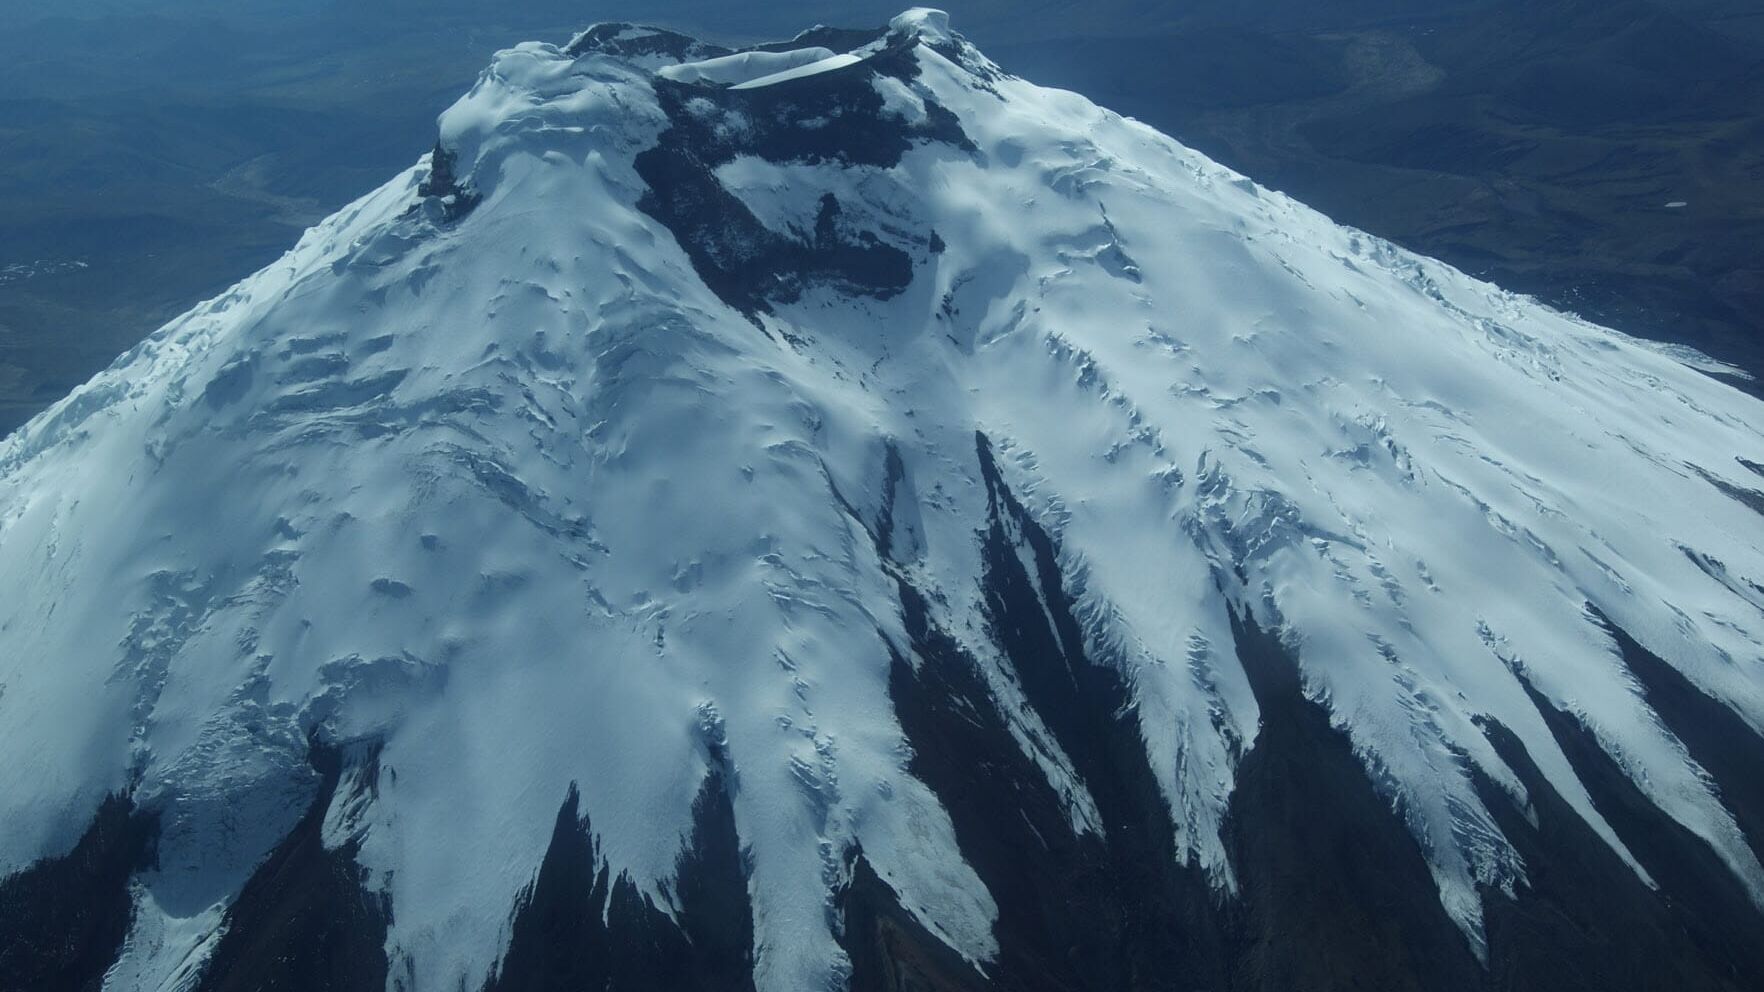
(925,23)
(664,436)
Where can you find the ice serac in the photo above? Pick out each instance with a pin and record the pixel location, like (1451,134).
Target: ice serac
(837,515)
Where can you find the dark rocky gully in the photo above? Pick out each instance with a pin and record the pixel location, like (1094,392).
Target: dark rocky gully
(1333,892)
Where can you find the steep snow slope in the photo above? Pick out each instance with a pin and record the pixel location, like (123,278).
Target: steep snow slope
(658,441)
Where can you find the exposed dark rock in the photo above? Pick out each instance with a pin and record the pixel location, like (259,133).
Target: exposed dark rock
(577,927)
(890,951)
(636,41)
(63,920)
(1335,889)
(1056,918)
(1582,919)
(306,920)
(830,117)
(893,474)
(1139,918)
(443,186)
(1706,901)
(710,893)
(1752,498)
(560,935)
(1723,743)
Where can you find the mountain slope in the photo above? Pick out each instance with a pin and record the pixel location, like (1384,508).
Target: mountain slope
(844,516)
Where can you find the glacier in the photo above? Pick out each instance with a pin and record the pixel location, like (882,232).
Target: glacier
(647,441)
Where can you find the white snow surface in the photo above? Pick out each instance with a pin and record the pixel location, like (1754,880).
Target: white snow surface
(815,68)
(523,499)
(744,67)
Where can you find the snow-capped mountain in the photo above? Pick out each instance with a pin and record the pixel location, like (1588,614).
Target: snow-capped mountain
(838,515)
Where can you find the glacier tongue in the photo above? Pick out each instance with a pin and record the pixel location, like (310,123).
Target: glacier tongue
(582,483)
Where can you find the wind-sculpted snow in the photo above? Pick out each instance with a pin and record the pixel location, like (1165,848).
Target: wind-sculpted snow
(556,496)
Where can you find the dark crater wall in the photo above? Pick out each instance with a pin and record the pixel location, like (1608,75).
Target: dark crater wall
(835,118)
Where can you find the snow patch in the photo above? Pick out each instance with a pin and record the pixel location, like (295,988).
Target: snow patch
(815,68)
(899,100)
(744,67)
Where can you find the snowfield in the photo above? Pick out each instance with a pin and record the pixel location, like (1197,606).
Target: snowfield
(510,487)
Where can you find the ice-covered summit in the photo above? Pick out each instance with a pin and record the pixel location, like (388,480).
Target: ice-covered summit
(924,23)
(837,514)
